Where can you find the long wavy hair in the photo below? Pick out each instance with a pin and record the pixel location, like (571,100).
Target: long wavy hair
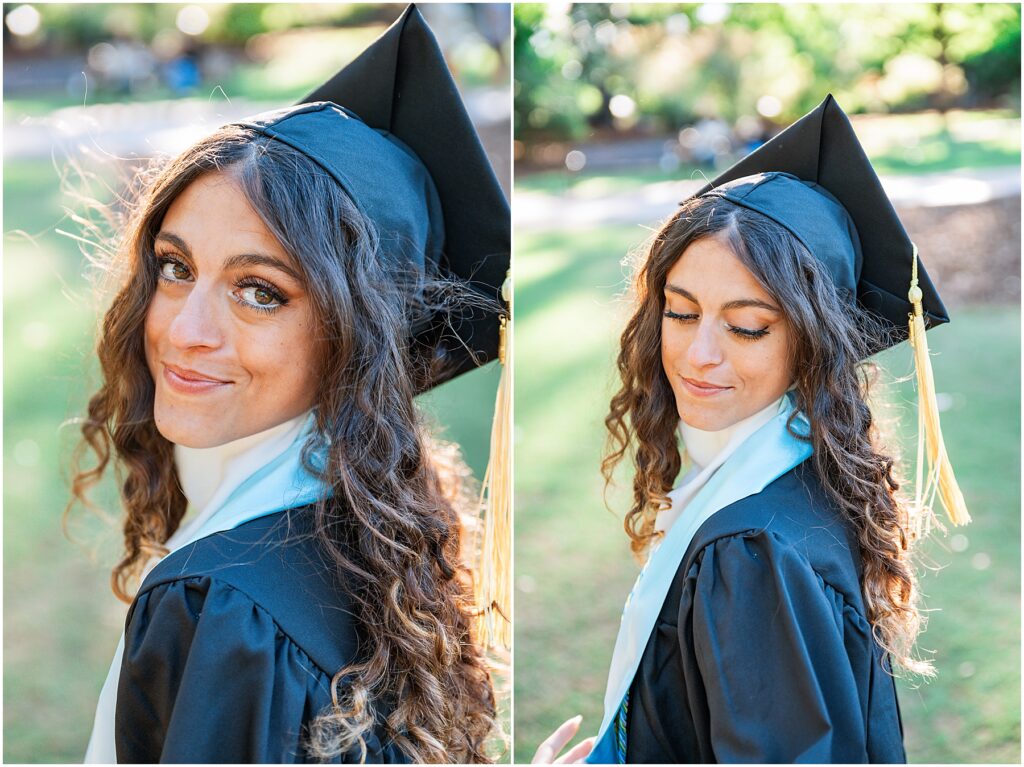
(831,388)
(392,524)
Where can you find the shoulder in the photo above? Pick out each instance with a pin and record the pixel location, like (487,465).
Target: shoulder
(272,567)
(792,521)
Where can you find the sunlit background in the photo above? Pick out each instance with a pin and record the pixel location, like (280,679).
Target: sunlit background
(90,91)
(621,111)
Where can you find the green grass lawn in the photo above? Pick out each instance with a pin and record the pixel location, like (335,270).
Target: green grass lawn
(61,622)
(897,144)
(573,567)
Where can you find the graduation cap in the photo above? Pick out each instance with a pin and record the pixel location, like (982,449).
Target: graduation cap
(815,180)
(401,86)
(392,130)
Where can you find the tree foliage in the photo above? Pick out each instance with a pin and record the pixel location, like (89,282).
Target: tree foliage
(677,63)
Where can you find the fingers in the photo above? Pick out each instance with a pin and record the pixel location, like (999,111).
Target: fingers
(579,752)
(549,749)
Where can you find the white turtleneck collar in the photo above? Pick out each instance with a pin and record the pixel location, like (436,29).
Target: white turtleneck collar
(205,473)
(708,450)
(704,446)
(208,476)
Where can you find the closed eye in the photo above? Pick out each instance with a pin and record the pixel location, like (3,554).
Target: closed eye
(681,317)
(747,333)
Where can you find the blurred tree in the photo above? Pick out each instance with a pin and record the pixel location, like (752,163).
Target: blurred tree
(619,66)
(71,26)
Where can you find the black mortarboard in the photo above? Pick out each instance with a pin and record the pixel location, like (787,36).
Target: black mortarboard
(391,128)
(401,85)
(814,179)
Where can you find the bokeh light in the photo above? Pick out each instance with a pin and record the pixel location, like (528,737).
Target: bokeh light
(575,160)
(23,20)
(193,20)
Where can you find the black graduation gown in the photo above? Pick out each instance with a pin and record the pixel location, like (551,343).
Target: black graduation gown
(230,648)
(761,652)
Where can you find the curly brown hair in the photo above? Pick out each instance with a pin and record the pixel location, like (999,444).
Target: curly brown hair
(391,526)
(831,388)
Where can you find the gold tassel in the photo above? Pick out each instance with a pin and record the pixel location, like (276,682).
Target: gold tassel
(940,479)
(493,571)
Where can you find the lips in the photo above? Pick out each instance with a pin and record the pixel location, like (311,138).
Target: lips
(702,388)
(187,381)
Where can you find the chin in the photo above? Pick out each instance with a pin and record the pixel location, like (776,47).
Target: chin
(705,418)
(186,432)
(705,424)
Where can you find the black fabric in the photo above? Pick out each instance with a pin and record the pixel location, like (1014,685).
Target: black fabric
(230,648)
(822,150)
(401,85)
(762,652)
(811,214)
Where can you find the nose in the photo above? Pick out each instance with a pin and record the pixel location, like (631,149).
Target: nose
(197,322)
(704,350)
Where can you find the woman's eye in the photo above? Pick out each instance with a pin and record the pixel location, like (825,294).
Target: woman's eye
(260,297)
(748,333)
(173,270)
(681,317)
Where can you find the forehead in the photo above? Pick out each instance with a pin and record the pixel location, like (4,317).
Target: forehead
(213,214)
(709,267)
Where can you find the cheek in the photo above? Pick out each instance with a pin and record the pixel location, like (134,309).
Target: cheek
(673,344)
(282,360)
(155,326)
(768,364)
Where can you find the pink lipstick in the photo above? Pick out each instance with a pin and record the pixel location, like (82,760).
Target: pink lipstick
(702,388)
(187,381)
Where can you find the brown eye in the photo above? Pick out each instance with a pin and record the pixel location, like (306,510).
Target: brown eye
(174,271)
(259,297)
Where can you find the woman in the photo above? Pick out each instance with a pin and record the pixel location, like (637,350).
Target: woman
(283,300)
(778,588)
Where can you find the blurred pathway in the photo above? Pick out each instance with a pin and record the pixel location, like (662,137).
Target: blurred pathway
(649,204)
(131,130)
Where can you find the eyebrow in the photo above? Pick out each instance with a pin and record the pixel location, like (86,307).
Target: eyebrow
(236,261)
(739,303)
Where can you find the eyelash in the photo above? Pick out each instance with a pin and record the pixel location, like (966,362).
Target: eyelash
(744,333)
(245,282)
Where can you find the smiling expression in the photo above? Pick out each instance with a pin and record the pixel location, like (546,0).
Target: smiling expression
(229,332)
(725,342)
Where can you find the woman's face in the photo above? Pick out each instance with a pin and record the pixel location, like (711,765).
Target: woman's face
(724,341)
(229,332)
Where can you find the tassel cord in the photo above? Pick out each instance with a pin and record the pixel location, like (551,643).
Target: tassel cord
(493,629)
(939,479)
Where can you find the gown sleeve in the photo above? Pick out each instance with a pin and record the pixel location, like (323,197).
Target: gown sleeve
(768,636)
(208,676)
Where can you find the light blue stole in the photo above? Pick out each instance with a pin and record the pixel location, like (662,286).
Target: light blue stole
(763,457)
